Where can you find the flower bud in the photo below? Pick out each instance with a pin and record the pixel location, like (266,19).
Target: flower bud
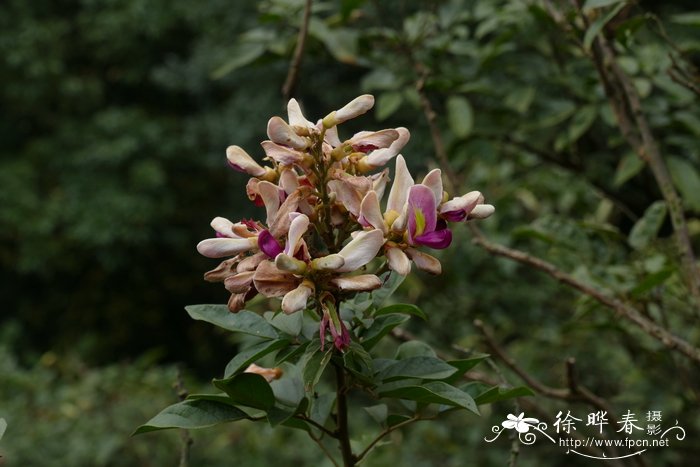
(290,264)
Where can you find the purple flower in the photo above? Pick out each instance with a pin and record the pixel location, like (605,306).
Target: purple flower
(423,226)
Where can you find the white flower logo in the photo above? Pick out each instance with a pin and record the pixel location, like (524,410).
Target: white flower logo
(520,423)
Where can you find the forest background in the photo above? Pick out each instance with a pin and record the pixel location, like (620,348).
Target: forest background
(579,121)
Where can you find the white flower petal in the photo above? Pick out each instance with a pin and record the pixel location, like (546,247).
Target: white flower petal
(481,211)
(297,229)
(281,133)
(289,181)
(332,137)
(362,282)
(398,261)
(371,212)
(354,108)
(241,161)
(379,139)
(328,263)
(224,227)
(296,299)
(270,195)
(281,154)
(380,157)
(361,250)
(464,202)
(221,247)
(295,116)
(399,189)
(434,181)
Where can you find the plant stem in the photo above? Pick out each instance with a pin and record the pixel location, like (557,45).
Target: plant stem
(342,432)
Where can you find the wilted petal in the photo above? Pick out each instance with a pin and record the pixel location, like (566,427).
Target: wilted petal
(482,211)
(239,160)
(399,189)
(398,261)
(361,250)
(249,263)
(297,229)
(236,302)
(222,271)
(280,225)
(295,116)
(239,283)
(422,215)
(380,157)
(362,282)
(296,299)
(270,374)
(347,195)
(272,282)
(434,181)
(283,155)
(370,212)
(269,244)
(221,247)
(424,261)
(281,133)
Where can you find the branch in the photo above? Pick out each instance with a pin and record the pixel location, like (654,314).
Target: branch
(295,65)
(388,430)
(659,333)
(185,437)
(342,433)
(323,448)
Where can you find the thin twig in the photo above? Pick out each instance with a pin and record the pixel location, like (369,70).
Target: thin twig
(319,441)
(316,424)
(661,334)
(295,65)
(388,430)
(342,431)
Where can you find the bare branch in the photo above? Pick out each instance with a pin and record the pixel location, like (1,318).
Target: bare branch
(295,65)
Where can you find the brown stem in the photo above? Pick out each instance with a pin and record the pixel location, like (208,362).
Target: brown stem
(631,314)
(185,437)
(342,432)
(295,65)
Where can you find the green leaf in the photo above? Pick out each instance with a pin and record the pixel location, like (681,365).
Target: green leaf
(496,394)
(244,321)
(629,166)
(291,353)
(395,419)
(380,328)
(289,324)
(463,366)
(646,228)
(248,389)
(417,367)
(580,123)
(314,362)
(651,281)
(690,18)
(289,389)
(460,116)
(590,4)
(251,354)
(378,413)
(391,281)
(192,414)
(402,308)
(321,407)
(387,104)
(414,349)
(435,392)
(241,55)
(520,99)
(685,176)
(598,25)
(340,42)
(3,427)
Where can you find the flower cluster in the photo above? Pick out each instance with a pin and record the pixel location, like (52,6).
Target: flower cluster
(324,217)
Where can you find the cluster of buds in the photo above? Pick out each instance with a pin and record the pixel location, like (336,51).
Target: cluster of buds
(324,216)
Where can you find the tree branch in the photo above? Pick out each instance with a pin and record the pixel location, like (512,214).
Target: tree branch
(295,65)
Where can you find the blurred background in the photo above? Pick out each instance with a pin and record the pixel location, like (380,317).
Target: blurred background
(115,117)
